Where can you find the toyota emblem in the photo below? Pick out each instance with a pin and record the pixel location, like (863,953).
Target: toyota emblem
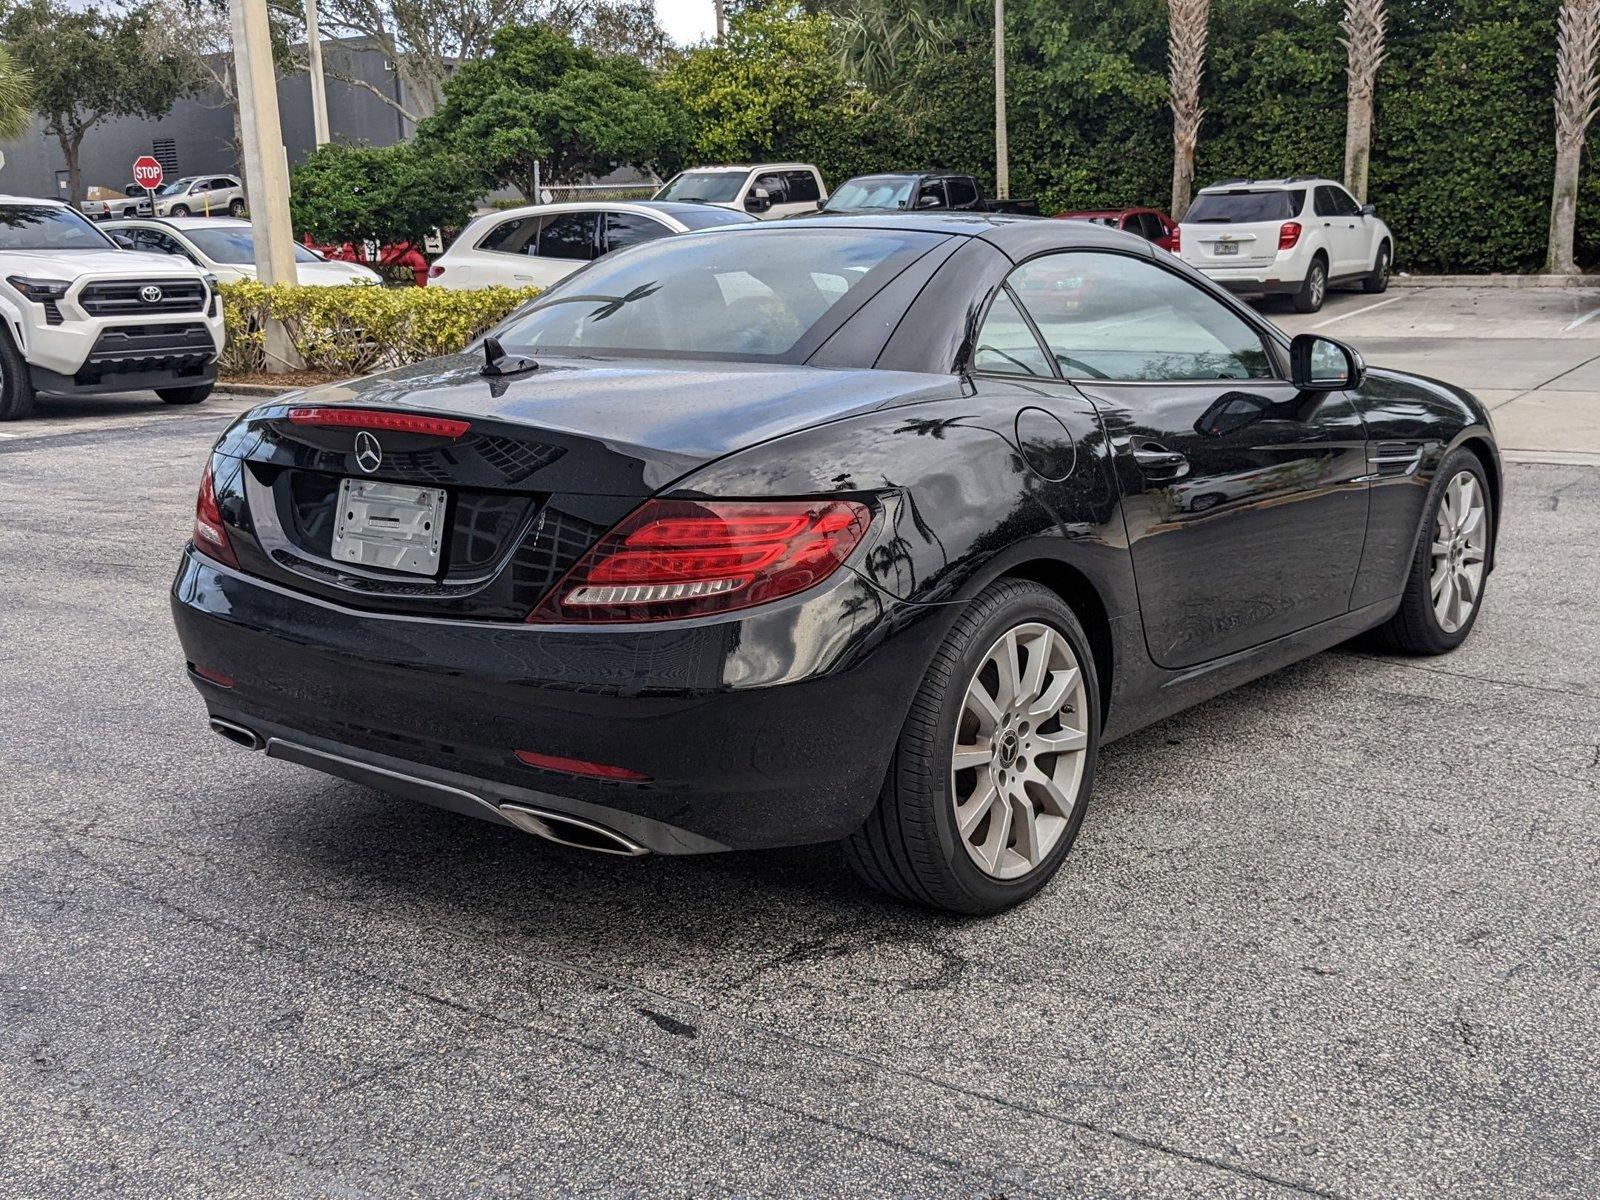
(150,294)
(369,452)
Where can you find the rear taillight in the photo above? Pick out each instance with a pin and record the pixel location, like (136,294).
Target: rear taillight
(1177,239)
(1288,235)
(210,534)
(683,558)
(370,418)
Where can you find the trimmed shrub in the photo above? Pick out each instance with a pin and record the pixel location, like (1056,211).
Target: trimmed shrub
(352,330)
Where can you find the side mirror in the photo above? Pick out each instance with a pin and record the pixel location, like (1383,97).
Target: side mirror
(1320,364)
(758,201)
(1369,210)
(929,202)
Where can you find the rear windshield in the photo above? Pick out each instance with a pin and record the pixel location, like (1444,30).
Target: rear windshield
(46,227)
(235,245)
(714,187)
(1240,207)
(871,191)
(715,294)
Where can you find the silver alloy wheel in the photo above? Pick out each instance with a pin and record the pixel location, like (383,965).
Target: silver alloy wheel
(1460,548)
(1020,745)
(1319,285)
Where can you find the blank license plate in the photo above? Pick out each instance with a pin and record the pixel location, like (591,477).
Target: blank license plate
(389,525)
(1227,248)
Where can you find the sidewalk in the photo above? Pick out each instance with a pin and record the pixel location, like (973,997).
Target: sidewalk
(1531,354)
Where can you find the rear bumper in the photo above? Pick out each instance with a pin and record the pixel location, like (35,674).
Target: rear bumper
(767,729)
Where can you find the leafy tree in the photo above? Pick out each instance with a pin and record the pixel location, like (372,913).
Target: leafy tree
(540,100)
(773,87)
(88,66)
(386,194)
(16,93)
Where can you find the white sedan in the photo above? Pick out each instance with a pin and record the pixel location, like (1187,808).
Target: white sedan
(542,244)
(227,248)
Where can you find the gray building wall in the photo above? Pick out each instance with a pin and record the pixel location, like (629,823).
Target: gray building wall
(202,129)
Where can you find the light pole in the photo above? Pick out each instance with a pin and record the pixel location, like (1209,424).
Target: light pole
(1002,149)
(319,86)
(266,165)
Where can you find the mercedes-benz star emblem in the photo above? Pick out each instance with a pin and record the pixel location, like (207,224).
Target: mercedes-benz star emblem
(369,452)
(150,294)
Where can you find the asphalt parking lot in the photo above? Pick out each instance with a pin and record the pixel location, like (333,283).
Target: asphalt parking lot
(1334,934)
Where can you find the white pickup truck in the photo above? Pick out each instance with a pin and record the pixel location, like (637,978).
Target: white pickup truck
(82,316)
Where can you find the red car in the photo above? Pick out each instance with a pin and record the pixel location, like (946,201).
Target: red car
(1146,222)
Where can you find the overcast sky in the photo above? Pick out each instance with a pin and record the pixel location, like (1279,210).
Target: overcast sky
(686,21)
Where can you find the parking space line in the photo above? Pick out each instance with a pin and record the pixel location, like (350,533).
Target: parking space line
(1588,316)
(1356,312)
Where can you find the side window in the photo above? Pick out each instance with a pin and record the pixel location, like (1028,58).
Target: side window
(777,191)
(963,192)
(629,229)
(802,187)
(1110,316)
(511,237)
(1323,203)
(1006,345)
(163,244)
(1344,203)
(219,184)
(200,185)
(932,194)
(1150,225)
(567,235)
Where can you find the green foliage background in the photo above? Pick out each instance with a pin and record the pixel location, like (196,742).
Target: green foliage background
(1463,140)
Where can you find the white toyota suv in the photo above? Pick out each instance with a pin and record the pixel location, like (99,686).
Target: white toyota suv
(1296,237)
(764,190)
(83,316)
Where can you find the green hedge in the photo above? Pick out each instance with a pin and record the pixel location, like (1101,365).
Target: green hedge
(1463,139)
(351,330)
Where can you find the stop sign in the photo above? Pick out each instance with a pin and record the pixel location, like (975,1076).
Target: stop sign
(147,172)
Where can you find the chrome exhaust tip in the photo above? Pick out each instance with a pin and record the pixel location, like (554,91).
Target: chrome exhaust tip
(571,831)
(238,734)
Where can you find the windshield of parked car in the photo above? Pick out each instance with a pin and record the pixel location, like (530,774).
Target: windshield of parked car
(746,293)
(235,246)
(871,191)
(713,187)
(176,186)
(46,227)
(1226,208)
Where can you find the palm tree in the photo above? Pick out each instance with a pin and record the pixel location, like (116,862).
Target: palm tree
(1186,63)
(15,94)
(1577,94)
(1363,29)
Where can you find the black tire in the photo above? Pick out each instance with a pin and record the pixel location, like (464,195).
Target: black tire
(186,395)
(1378,281)
(16,383)
(236,208)
(1315,288)
(1415,628)
(910,847)
(179,210)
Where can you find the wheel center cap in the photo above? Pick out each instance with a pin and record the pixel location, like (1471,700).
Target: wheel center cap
(1008,749)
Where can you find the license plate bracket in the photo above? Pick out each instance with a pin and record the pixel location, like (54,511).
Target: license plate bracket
(391,525)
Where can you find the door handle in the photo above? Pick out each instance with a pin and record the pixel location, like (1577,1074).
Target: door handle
(1157,462)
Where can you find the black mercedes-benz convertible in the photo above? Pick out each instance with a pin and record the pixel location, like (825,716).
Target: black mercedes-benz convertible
(849,528)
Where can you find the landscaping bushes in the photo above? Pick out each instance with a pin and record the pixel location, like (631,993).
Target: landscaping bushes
(352,330)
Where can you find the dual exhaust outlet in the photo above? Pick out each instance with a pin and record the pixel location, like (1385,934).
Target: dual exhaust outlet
(556,827)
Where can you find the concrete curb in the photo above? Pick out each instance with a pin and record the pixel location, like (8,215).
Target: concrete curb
(251,391)
(1496,281)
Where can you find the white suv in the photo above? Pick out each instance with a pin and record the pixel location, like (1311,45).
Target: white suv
(765,190)
(82,316)
(1296,237)
(199,196)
